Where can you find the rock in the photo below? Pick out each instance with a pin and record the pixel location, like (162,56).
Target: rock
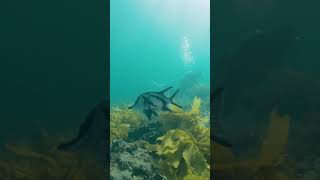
(132,161)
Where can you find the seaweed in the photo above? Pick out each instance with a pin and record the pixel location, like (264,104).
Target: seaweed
(180,157)
(42,161)
(179,119)
(180,143)
(122,121)
(268,165)
(184,150)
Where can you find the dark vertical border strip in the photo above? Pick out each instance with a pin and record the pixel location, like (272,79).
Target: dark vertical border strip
(211,86)
(108,90)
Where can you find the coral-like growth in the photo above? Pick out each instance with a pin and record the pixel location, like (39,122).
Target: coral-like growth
(122,121)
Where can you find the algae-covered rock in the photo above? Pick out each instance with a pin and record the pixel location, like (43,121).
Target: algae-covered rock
(183,151)
(122,121)
(149,132)
(132,161)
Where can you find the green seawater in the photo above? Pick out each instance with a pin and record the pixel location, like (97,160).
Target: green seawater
(156,42)
(154,45)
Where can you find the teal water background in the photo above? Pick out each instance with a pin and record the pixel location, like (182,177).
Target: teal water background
(149,44)
(53,67)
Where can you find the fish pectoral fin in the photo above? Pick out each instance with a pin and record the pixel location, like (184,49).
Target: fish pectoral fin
(165,108)
(177,105)
(148,113)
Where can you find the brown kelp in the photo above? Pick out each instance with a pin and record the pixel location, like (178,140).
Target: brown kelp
(182,149)
(43,161)
(269,164)
(123,120)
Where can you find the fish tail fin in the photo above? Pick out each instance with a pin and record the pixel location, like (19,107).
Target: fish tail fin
(135,103)
(84,128)
(221,140)
(171,99)
(163,91)
(66,145)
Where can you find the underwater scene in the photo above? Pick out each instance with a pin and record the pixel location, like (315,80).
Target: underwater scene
(160,90)
(251,113)
(265,54)
(264,101)
(53,73)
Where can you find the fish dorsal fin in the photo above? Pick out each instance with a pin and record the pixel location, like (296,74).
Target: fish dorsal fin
(174,94)
(171,99)
(135,103)
(163,91)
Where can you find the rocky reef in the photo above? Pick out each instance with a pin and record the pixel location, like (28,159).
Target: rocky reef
(175,145)
(132,161)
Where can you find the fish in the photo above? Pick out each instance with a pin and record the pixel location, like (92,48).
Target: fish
(92,133)
(152,102)
(216,100)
